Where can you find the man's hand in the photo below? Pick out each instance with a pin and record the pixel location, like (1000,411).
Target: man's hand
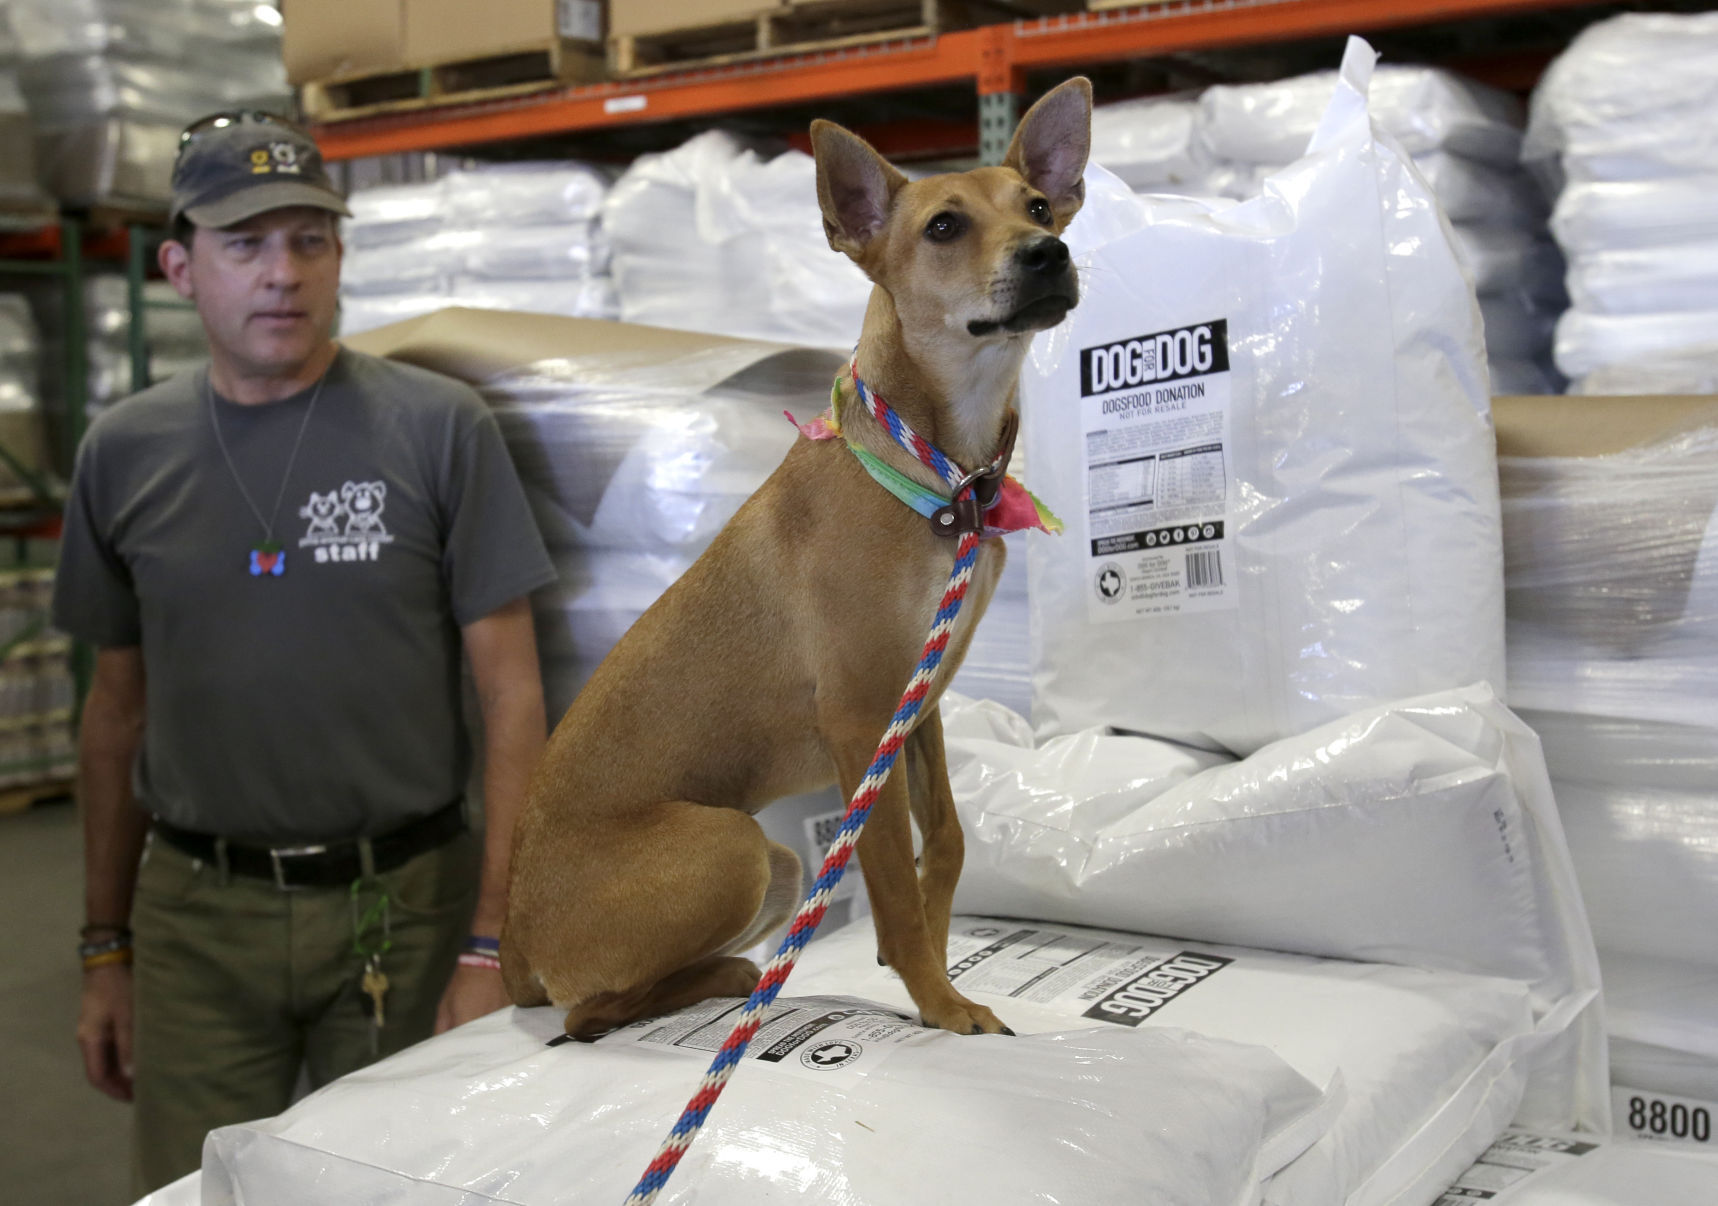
(473,992)
(104,1029)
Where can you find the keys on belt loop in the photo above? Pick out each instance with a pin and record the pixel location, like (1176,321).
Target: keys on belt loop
(371,938)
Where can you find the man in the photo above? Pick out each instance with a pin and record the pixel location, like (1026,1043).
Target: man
(279,560)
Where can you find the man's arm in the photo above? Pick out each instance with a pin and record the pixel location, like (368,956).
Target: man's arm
(502,648)
(114,827)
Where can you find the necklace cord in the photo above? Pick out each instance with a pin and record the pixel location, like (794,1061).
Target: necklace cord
(291,460)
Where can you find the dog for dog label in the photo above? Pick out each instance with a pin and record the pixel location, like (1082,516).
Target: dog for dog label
(1512,1162)
(1155,421)
(1099,978)
(804,1036)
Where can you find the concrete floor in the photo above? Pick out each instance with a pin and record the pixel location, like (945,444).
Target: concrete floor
(60,1140)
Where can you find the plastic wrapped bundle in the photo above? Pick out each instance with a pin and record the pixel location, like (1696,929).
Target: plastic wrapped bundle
(1612,580)
(713,237)
(394,214)
(19,188)
(1151,144)
(109,87)
(525,194)
(1620,124)
(21,429)
(1692,369)
(173,336)
(1630,99)
(1639,801)
(1423,108)
(1483,194)
(524,237)
(1232,571)
(20,355)
(1464,138)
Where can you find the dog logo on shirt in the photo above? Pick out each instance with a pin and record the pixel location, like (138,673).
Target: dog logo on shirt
(363,502)
(324,512)
(346,524)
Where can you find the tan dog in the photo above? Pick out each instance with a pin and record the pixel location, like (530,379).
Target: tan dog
(774,665)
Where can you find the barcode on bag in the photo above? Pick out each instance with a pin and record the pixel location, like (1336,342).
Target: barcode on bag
(1204,568)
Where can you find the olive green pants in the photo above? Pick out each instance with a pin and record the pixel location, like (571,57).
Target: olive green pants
(238,985)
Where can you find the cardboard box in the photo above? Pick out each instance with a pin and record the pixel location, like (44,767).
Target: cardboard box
(339,39)
(1577,425)
(477,345)
(654,16)
(444,31)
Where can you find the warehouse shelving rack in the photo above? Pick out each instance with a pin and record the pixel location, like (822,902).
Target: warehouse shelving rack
(993,60)
(65,249)
(60,250)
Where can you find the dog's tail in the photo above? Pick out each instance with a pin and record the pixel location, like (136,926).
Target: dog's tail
(521,983)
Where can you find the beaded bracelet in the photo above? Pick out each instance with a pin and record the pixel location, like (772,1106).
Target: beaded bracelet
(478,944)
(88,950)
(119,955)
(473,959)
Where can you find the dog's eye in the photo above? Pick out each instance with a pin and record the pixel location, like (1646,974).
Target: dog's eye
(1039,209)
(944,227)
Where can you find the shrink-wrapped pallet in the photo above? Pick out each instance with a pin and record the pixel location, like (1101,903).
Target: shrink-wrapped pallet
(111,83)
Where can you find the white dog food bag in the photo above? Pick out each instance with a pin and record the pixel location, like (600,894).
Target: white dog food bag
(838,1101)
(1268,431)
(1426,1067)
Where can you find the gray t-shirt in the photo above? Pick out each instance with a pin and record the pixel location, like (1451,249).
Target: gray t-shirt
(323,702)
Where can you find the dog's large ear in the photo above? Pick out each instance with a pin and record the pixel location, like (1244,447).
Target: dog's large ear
(855,187)
(1052,142)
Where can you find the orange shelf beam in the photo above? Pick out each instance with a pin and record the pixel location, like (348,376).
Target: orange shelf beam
(990,58)
(797,79)
(1182,25)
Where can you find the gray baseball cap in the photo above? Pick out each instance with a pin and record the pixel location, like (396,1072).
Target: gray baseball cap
(233,166)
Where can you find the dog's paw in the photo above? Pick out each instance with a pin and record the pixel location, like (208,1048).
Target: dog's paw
(964,1017)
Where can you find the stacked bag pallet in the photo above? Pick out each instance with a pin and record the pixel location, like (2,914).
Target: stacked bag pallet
(1464,138)
(110,84)
(174,339)
(36,691)
(1612,576)
(714,236)
(22,200)
(522,236)
(1621,132)
(21,433)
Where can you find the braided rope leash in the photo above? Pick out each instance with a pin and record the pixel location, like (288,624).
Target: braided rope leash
(811,910)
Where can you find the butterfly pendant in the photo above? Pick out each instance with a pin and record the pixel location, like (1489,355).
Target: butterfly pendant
(268,558)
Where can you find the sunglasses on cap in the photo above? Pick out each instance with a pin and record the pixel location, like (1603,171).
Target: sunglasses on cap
(231,117)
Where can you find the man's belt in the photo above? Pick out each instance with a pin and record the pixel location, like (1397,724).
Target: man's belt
(326,865)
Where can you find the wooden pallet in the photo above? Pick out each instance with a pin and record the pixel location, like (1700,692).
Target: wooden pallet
(28,795)
(488,78)
(805,26)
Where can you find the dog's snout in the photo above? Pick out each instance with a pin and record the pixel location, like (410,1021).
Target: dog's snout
(1045,256)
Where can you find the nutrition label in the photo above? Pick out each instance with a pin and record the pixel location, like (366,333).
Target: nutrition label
(1155,421)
